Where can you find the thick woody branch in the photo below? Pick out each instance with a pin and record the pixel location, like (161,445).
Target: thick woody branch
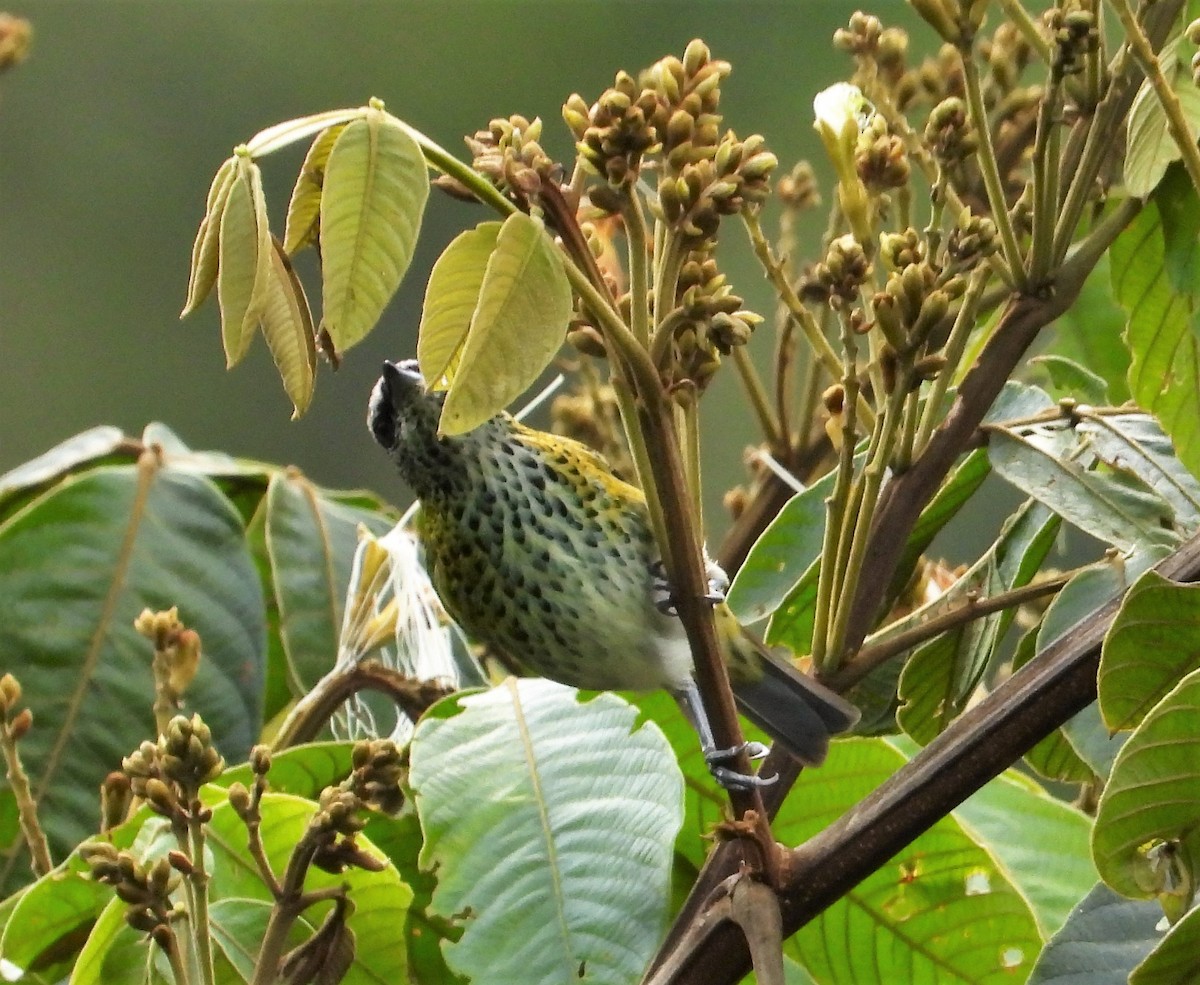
(976,747)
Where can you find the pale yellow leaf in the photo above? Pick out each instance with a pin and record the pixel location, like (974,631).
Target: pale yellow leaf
(288,328)
(281,134)
(204,250)
(245,264)
(451,297)
(304,210)
(517,328)
(376,184)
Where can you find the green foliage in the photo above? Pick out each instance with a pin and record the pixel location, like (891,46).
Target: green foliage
(554,805)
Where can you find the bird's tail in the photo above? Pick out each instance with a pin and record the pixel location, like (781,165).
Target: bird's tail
(788,705)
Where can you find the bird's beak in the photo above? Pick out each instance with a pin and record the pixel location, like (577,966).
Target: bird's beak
(401,376)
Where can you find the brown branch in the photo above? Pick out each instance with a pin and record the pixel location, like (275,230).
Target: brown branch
(413,697)
(976,747)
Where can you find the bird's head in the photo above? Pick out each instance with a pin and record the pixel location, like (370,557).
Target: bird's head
(403,417)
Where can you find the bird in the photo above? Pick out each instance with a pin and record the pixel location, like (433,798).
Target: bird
(539,552)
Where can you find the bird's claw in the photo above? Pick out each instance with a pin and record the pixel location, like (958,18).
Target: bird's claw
(731,779)
(664,599)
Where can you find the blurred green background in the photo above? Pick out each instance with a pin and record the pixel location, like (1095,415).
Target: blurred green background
(111,131)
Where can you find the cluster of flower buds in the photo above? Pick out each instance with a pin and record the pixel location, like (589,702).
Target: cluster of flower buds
(917,295)
(972,240)
(949,134)
(880,51)
(737,175)
(1007,53)
(379,770)
(18,724)
(688,92)
(145,888)
(169,774)
(338,819)
(617,131)
(176,648)
(798,189)
(880,157)
(1074,34)
(508,153)
(836,280)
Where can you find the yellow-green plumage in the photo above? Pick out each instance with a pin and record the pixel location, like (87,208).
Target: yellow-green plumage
(539,551)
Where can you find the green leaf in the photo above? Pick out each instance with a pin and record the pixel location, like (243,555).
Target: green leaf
(517,328)
(1153,643)
(1039,462)
(114,953)
(288,328)
(451,297)
(310,540)
(1016,819)
(238,925)
(424,931)
(1089,334)
(381,899)
(303,225)
(554,824)
(1173,961)
(1153,797)
(244,265)
(1101,942)
(376,184)
(66,456)
(791,623)
(1072,380)
(1077,603)
(77,565)
(1054,757)
(204,251)
(1149,146)
(940,910)
(303,771)
(1135,444)
(1164,376)
(942,675)
(1179,209)
(781,555)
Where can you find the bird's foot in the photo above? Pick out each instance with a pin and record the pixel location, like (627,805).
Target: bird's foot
(664,598)
(731,779)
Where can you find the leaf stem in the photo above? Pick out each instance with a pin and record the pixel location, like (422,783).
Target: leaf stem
(989,169)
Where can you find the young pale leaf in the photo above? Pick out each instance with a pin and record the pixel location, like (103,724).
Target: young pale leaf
(1173,961)
(552,822)
(288,328)
(1110,510)
(1149,146)
(1146,842)
(1103,939)
(1134,443)
(205,249)
(1164,375)
(1153,643)
(942,910)
(517,327)
(282,134)
(451,297)
(244,266)
(376,184)
(304,209)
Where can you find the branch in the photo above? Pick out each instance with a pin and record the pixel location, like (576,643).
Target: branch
(976,747)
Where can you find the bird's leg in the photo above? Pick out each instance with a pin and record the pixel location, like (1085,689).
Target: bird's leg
(688,697)
(664,599)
